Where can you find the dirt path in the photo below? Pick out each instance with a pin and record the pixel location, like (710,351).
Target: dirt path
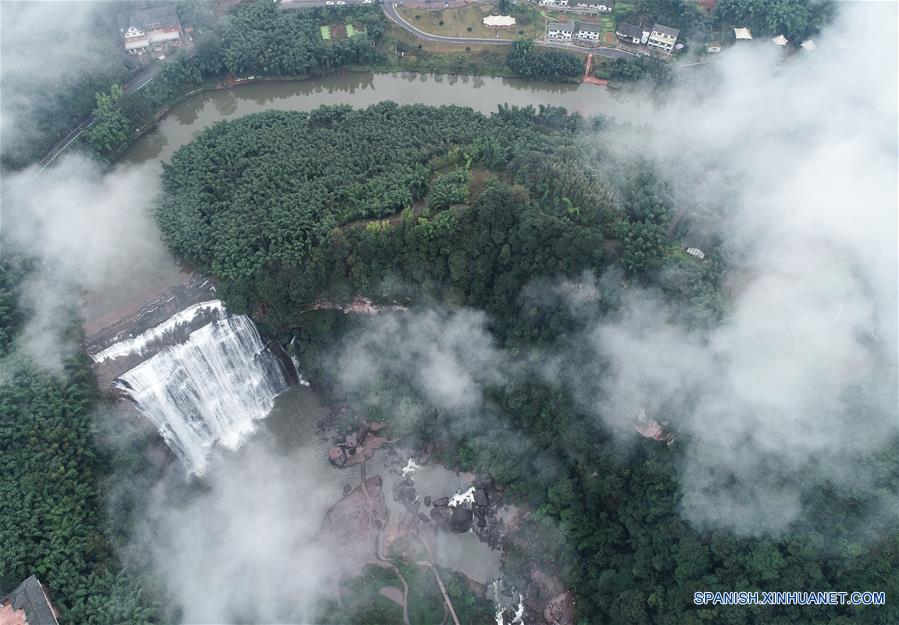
(588,78)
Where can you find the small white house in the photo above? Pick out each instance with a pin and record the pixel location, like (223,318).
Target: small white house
(808,44)
(779,41)
(695,251)
(563,31)
(742,34)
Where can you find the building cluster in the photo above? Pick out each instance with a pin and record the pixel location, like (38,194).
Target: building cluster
(150,29)
(568,31)
(582,6)
(659,37)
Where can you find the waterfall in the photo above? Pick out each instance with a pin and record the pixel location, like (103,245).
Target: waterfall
(206,389)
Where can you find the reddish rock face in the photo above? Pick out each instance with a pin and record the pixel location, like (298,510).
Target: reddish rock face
(351,524)
(560,610)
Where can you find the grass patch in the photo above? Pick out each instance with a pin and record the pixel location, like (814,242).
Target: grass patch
(351,31)
(325,32)
(440,58)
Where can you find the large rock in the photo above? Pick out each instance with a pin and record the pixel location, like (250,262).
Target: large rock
(452,519)
(441,503)
(480,498)
(425,456)
(404,491)
(484,481)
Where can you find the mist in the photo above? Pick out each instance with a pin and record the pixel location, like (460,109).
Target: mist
(91,234)
(46,52)
(792,168)
(242,544)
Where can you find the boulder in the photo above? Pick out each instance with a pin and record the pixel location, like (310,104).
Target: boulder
(442,502)
(337,456)
(452,519)
(425,456)
(404,491)
(480,498)
(484,481)
(427,500)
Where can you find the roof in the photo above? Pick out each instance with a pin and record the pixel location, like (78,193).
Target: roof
(808,44)
(780,40)
(742,33)
(499,20)
(569,25)
(590,28)
(629,30)
(159,16)
(665,30)
(30,597)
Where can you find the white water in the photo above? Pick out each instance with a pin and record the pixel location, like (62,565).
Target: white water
(137,345)
(462,498)
(208,390)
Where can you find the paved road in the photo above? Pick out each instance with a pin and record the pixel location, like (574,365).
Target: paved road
(394,16)
(136,83)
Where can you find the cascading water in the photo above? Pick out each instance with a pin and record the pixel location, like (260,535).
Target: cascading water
(206,389)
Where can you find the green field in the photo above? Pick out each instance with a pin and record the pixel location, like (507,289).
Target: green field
(326,32)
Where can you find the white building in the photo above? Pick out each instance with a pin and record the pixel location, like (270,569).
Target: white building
(663,38)
(695,251)
(150,28)
(742,34)
(588,33)
(499,21)
(561,30)
(598,7)
(780,41)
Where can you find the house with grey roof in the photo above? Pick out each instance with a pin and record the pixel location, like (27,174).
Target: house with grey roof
(589,32)
(27,604)
(629,33)
(154,28)
(561,30)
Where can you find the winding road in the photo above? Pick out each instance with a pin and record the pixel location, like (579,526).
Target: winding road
(394,16)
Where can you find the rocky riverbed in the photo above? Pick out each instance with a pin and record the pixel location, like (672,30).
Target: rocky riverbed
(424,512)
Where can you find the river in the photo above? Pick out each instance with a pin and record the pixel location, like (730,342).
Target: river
(360,89)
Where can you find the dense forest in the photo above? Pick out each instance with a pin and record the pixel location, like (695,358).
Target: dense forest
(525,60)
(446,207)
(53,520)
